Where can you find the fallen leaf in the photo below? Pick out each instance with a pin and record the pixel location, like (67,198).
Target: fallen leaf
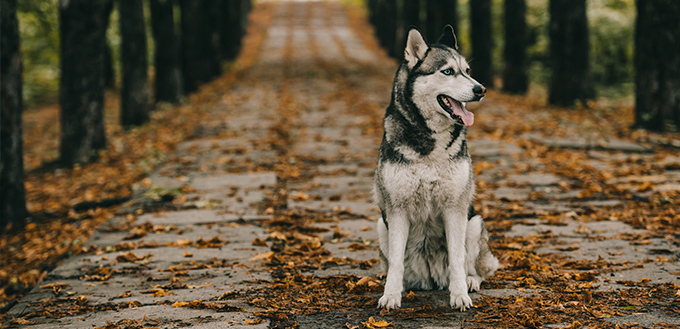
(379,324)
(259,243)
(264,255)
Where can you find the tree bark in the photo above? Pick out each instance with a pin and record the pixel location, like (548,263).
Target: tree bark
(200,55)
(411,15)
(83,26)
(657,65)
(12,191)
(168,84)
(569,48)
(515,72)
(439,14)
(390,28)
(134,102)
(231,29)
(481,41)
(382,23)
(109,72)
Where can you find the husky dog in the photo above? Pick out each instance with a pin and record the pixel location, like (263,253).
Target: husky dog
(430,235)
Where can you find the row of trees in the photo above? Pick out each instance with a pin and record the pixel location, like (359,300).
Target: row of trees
(188,52)
(657,48)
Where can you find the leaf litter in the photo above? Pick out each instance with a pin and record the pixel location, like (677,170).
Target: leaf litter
(556,289)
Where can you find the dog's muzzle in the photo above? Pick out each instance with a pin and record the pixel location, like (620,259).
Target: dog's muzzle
(456,110)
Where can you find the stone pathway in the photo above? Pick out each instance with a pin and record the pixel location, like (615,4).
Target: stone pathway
(291,104)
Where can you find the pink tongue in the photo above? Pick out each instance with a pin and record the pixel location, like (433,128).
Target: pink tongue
(467,116)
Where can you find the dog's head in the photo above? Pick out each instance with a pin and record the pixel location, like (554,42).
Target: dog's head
(440,76)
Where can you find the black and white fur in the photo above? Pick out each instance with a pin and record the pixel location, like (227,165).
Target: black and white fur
(430,236)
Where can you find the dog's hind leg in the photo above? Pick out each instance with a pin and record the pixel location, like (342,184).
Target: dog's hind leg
(480,263)
(397,236)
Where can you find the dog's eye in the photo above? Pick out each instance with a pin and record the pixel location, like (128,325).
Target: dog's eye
(447,72)
(467,71)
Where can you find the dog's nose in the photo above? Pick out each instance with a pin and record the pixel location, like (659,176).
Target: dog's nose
(479,91)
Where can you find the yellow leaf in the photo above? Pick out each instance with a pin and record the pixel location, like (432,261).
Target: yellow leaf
(179,304)
(183,242)
(379,324)
(263,255)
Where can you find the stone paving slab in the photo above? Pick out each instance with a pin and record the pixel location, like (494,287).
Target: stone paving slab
(327,131)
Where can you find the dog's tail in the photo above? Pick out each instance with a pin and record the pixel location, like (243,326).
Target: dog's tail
(479,257)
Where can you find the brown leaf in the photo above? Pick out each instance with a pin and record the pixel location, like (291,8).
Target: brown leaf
(264,255)
(259,243)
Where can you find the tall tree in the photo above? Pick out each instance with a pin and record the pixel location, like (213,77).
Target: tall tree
(569,48)
(230,28)
(481,41)
(12,192)
(200,48)
(515,72)
(109,74)
(83,26)
(168,84)
(657,65)
(134,102)
(391,25)
(411,14)
(439,14)
(408,12)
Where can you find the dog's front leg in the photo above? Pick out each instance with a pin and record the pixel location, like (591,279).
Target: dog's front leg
(456,225)
(397,235)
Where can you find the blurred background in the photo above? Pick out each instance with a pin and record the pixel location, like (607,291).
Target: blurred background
(611,35)
(66,55)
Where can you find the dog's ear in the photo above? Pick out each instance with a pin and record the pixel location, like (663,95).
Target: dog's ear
(416,47)
(448,38)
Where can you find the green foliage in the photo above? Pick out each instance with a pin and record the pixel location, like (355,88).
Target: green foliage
(538,42)
(611,27)
(39,34)
(612,31)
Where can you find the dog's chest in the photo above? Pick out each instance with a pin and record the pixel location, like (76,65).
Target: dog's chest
(427,183)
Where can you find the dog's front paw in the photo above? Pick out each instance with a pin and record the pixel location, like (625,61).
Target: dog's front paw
(390,301)
(461,302)
(473,282)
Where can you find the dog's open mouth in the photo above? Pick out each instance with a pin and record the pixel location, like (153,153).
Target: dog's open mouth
(456,110)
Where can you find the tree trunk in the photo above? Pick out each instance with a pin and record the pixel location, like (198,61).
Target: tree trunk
(515,73)
(390,29)
(657,65)
(439,14)
(481,41)
(381,22)
(569,49)
(168,84)
(231,29)
(109,72)
(411,15)
(408,15)
(12,192)
(200,55)
(246,6)
(83,26)
(134,102)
